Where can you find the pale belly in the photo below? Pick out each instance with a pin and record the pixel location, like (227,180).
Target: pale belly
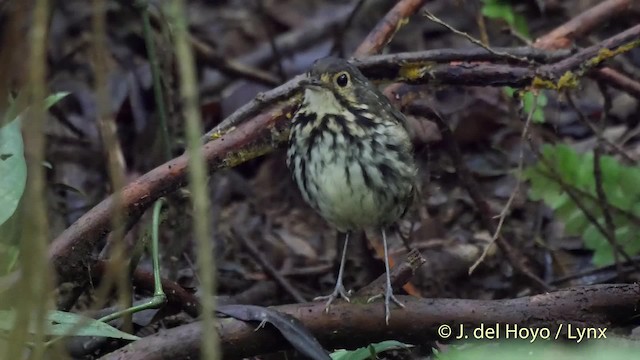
(362,182)
(352,197)
(348,204)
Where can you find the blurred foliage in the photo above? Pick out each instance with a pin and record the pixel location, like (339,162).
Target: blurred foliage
(563,165)
(530,99)
(609,349)
(502,10)
(61,323)
(368,352)
(13,168)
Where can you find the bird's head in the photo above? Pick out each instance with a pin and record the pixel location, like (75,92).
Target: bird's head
(334,83)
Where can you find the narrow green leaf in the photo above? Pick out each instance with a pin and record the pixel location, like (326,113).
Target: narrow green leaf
(69,324)
(53,99)
(78,325)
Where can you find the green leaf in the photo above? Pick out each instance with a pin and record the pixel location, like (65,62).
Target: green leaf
(66,323)
(53,99)
(13,168)
(610,349)
(7,320)
(496,11)
(502,10)
(69,324)
(529,99)
(365,352)
(619,183)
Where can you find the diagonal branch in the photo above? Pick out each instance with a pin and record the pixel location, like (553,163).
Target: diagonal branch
(269,116)
(70,251)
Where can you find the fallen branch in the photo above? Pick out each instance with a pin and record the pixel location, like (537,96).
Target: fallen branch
(596,306)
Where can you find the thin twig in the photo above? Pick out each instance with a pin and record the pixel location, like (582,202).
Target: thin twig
(617,148)
(609,227)
(597,174)
(231,67)
(472,188)
(267,266)
(158,95)
(473,40)
(507,207)
(618,80)
(316,29)
(277,55)
(339,37)
(627,268)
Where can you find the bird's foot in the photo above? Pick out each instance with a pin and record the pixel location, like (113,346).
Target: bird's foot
(339,291)
(388,298)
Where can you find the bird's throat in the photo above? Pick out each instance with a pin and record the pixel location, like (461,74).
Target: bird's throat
(322,102)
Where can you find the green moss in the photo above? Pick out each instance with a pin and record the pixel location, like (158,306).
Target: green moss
(414,71)
(605,54)
(243,155)
(568,80)
(540,83)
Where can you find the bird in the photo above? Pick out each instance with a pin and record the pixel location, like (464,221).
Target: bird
(351,156)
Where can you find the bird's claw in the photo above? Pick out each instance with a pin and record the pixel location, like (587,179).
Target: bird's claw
(339,291)
(388,298)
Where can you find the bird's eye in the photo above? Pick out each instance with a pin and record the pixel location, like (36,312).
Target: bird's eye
(342,79)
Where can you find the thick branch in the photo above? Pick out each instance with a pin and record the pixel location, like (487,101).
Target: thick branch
(387,67)
(591,306)
(562,36)
(380,36)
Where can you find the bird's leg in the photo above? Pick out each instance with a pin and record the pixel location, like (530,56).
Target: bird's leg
(388,293)
(339,290)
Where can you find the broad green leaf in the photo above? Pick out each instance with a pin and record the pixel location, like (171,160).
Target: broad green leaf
(13,169)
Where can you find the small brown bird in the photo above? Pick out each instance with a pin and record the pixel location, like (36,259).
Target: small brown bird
(351,157)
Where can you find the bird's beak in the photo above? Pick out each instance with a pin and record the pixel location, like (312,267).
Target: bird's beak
(311,82)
